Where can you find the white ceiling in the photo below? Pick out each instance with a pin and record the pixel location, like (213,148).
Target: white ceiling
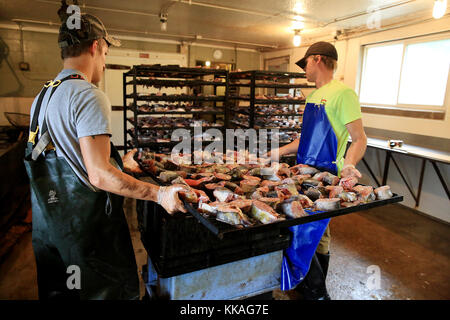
(257,24)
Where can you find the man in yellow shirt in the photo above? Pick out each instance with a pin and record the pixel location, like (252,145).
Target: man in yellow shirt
(332,113)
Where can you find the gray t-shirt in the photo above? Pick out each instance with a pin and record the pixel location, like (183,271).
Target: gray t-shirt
(77,109)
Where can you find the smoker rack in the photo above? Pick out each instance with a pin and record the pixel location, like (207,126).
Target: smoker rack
(256,80)
(170,76)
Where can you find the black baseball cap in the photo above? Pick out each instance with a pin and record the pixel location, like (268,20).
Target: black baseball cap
(323,48)
(90,28)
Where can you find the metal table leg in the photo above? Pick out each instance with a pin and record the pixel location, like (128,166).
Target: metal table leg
(419,191)
(386,167)
(404,180)
(438,172)
(371,172)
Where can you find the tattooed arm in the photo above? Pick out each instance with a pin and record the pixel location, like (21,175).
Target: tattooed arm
(103,175)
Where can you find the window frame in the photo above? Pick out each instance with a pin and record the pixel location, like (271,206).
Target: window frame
(405,42)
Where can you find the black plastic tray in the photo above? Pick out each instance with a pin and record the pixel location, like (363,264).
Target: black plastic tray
(263,74)
(175,83)
(175,98)
(172,71)
(179,244)
(221,229)
(270,101)
(273,85)
(240,124)
(260,114)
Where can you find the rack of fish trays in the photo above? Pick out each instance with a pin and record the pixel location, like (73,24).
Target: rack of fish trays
(268,100)
(161,99)
(232,197)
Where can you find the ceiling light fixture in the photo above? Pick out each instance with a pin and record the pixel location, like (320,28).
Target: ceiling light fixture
(298,8)
(298,23)
(297,40)
(440,6)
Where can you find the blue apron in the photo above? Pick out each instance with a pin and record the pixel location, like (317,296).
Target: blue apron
(317,148)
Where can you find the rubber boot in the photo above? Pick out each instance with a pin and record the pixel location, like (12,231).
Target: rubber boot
(313,286)
(324,260)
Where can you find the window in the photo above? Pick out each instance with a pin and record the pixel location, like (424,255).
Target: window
(409,73)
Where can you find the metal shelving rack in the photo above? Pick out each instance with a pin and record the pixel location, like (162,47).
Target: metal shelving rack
(257,80)
(158,76)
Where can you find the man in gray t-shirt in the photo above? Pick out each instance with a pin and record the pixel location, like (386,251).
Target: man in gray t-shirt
(77,190)
(79,121)
(77,109)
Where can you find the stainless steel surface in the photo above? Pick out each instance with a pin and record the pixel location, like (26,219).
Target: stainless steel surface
(411,150)
(235,280)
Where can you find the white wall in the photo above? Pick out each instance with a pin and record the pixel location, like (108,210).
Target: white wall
(436,128)
(349,52)
(434,201)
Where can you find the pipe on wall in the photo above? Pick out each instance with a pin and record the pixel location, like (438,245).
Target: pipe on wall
(184,37)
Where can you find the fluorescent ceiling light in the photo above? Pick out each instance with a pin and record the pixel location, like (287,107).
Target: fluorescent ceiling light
(297,23)
(440,6)
(298,7)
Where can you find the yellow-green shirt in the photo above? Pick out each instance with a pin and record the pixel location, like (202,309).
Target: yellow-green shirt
(342,107)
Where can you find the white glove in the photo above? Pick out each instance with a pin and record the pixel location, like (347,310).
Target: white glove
(349,176)
(349,170)
(169,200)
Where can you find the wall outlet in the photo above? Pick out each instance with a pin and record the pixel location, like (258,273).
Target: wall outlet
(24,66)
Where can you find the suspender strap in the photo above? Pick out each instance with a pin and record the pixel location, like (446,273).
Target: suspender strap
(44,140)
(34,123)
(42,144)
(54,86)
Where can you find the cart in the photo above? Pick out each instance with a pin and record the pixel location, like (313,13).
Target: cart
(193,257)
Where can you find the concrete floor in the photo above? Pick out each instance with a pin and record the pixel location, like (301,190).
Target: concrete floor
(409,252)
